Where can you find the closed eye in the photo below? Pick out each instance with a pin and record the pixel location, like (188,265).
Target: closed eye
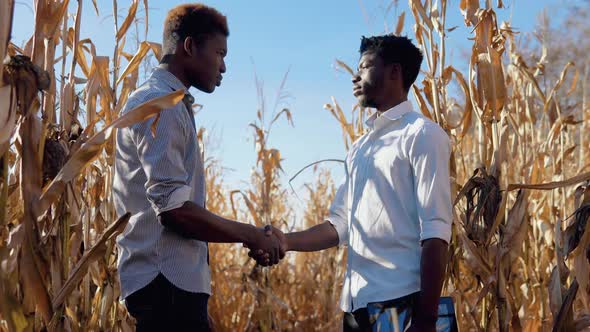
(364,66)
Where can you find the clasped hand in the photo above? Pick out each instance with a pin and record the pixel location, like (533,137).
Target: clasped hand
(268,247)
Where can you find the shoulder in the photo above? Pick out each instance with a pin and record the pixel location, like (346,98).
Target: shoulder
(422,128)
(425,136)
(170,119)
(146,92)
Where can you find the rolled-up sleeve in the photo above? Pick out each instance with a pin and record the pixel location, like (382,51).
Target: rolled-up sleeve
(162,159)
(338,215)
(430,154)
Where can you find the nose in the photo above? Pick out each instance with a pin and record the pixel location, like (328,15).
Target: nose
(223,68)
(355,78)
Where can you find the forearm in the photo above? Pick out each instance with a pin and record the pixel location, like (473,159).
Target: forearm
(319,237)
(432,275)
(195,222)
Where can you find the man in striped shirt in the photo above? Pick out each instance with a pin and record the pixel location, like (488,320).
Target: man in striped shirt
(163,257)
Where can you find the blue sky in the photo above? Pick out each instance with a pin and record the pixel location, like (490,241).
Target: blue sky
(271,37)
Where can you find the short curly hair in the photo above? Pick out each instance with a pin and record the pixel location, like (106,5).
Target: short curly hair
(396,49)
(194,20)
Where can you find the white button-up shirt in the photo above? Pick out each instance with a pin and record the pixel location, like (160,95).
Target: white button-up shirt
(153,175)
(396,194)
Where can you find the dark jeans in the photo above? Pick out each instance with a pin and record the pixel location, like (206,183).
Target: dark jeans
(161,306)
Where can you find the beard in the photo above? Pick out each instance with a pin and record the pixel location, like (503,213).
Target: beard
(367,99)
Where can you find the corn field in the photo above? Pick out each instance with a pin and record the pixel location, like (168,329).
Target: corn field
(520,177)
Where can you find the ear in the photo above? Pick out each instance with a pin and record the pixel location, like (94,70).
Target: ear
(396,72)
(187,45)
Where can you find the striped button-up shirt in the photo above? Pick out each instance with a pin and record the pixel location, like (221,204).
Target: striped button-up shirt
(396,193)
(153,175)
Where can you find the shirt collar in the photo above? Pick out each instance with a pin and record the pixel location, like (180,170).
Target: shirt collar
(166,77)
(377,121)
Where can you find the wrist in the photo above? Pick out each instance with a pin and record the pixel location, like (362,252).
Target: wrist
(247,234)
(289,242)
(288,245)
(425,308)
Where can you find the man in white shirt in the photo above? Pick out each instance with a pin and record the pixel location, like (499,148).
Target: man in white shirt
(394,208)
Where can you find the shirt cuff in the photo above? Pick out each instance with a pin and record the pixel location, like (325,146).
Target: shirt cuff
(176,199)
(341,228)
(436,229)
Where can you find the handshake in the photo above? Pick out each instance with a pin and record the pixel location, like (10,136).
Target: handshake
(267,246)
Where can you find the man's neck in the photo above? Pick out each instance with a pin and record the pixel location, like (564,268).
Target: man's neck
(391,104)
(168,63)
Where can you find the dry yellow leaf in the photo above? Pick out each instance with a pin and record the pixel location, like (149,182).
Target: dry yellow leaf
(421,102)
(400,24)
(6,11)
(128,20)
(7,115)
(516,226)
(344,66)
(144,47)
(416,5)
(469,9)
(551,185)
(92,254)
